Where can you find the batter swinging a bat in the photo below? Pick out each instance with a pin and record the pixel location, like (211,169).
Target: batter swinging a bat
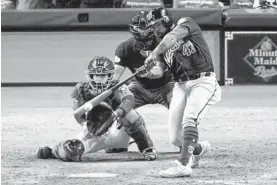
(108,124)
(187,55)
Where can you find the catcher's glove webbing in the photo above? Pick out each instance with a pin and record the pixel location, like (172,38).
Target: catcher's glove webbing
(100,119)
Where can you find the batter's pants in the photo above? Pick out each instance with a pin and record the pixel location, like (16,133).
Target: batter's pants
(189,103)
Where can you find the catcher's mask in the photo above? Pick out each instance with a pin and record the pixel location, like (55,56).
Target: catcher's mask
(144,35)
(160,21)
(100,74)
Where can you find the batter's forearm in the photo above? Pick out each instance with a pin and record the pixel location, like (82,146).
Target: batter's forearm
(171,39)
(168,41)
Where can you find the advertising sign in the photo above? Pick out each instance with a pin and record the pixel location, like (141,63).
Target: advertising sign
(142,3)
(250,57)
(198,4)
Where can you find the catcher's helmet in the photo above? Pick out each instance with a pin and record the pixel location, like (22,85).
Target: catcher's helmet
(138,28)
(100,73)
(160,15)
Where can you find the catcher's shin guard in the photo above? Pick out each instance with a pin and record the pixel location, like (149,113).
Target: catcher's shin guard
(138,132)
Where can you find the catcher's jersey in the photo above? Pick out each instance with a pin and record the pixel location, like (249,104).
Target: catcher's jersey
(191,54)
(128,54)
(82,93)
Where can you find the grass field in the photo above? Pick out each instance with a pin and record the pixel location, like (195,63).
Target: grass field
(241,128)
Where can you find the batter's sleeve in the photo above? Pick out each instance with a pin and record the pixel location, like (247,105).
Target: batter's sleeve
(190,24)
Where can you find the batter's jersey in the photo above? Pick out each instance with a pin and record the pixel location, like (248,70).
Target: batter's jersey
(190,54)
(128,54)
(83,92)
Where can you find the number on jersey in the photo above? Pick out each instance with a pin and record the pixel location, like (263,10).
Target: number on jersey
(188,49)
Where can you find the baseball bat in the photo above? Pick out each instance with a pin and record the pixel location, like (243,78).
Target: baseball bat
(95,101)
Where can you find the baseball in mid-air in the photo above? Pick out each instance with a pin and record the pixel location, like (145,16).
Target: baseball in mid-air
(87,106)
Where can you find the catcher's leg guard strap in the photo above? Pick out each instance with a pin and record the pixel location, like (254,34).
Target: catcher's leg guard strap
(70,150)
(138,132)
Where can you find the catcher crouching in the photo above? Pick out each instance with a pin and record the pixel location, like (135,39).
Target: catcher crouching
(108,125)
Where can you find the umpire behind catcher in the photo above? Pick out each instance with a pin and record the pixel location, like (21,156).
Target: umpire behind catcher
(153,87)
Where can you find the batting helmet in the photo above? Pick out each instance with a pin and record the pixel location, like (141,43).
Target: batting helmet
(158,15)
(138,28)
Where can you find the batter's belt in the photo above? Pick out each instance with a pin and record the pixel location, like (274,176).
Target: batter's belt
(195,76)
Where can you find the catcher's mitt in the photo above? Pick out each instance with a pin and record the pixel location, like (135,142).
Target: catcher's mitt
(100,119)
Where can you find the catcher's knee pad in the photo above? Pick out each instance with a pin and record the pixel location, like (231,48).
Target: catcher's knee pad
(137,130)
(70,150)
(191,133)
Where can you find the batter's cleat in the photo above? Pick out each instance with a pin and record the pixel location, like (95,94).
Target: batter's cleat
(149,154)
(177,171)
(206,147)
(115,150)
(44,153)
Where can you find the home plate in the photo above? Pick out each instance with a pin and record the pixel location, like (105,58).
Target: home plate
(93,175)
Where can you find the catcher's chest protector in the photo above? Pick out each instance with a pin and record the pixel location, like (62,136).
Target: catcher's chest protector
(87,94)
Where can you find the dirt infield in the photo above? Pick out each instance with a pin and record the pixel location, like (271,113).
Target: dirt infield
(242,130)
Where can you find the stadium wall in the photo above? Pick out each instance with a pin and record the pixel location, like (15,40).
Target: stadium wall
(62,57)
(52,47)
